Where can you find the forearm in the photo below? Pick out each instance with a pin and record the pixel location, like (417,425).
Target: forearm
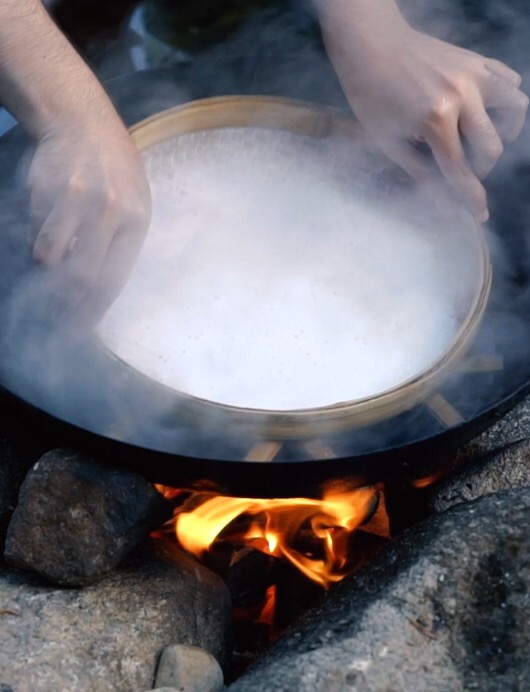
(44,83)
(361,35)
(363,19)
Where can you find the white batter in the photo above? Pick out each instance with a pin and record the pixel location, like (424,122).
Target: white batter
(264,284)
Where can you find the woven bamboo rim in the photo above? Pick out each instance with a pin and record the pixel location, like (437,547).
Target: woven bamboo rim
(315,121)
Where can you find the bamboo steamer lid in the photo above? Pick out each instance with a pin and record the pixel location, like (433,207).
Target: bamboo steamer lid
(320,123)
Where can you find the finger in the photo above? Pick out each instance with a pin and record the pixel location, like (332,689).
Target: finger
(40,206)
(55,234)
(509,123)
(119,261)
(77,273)
(419,163)
(444,140)
(75,280)
(498,68)
(83,264)
(98,266)
(483,139)
(508,104)
(414,158)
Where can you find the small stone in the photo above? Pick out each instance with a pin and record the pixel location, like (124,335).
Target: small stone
(189,669)
(77,518)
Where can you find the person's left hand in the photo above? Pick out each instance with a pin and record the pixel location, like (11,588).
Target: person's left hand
(90,206)
(441,112)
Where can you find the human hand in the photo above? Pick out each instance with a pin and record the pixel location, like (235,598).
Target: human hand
(416,94)
(90,208)
(90,199)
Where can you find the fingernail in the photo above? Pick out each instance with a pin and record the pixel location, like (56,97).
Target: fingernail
(485,216)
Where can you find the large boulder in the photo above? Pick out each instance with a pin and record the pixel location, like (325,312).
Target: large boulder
(108,636)
(503,469)
(446,608)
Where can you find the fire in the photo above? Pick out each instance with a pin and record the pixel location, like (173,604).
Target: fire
(311,534)
(426,481)
(267,612)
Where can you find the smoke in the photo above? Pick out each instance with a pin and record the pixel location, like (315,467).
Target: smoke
(491,28)
(273,52)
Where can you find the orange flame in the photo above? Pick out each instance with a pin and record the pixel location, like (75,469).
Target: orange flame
(277,527)
(267,612)
(426,481)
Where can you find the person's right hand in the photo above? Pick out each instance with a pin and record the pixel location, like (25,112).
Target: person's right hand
(90,199)
(90,207)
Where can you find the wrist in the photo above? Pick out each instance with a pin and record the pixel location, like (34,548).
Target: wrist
(81,113)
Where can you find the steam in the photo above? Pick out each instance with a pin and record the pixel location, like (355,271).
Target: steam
(274,52)
(260,282)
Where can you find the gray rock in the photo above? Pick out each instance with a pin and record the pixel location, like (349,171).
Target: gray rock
(108,636)
(446,608)
(502,470)
(77,518)
(189,669)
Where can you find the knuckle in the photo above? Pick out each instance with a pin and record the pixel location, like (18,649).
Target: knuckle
(457,87)
(125,204)
(77,185)
(119,202)
(111,198)
(438,112)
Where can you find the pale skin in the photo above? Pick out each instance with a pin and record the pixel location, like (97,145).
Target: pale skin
(407,88)
(90,199)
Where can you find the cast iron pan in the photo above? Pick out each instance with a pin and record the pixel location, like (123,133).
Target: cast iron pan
(411,440)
